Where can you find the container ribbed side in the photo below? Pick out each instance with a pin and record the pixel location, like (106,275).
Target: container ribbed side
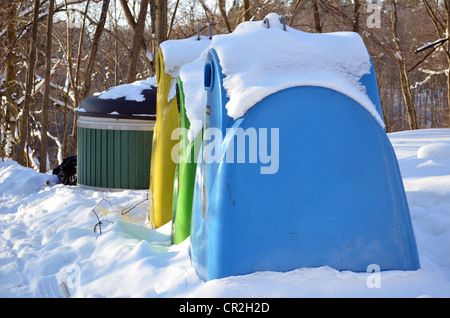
(114,159)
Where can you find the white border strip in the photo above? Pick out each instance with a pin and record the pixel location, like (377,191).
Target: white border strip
(115,123)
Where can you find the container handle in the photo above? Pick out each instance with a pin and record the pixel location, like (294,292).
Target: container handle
(208,76)
(283,22)
(210,31)
(198,31)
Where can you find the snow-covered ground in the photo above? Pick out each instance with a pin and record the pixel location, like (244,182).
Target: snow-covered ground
(48,246)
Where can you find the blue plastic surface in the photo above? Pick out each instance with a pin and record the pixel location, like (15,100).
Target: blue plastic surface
(336,199)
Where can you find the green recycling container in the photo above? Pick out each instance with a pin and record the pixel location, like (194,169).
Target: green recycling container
(184,174)
(114,142)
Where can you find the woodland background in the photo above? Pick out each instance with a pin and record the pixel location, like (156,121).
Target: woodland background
(55,53)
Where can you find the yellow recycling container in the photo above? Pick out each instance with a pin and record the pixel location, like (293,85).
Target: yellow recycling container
(171,56)
(162,166)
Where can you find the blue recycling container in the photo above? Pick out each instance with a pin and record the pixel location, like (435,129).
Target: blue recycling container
(333,197)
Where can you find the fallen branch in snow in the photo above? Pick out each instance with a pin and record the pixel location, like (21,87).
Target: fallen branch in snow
(100,222)
(125,211)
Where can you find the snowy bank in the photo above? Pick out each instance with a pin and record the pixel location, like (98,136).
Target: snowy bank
(48,246)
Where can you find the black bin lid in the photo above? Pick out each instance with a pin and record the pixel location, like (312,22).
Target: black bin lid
(121,107)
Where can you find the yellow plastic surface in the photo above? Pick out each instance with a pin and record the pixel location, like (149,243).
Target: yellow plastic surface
(162,166)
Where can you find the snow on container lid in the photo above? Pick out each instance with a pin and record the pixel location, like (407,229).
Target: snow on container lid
(131,101)
(182,51)
(262,57)
(179,52)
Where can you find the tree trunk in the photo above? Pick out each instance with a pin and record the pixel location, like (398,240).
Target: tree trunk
(76,79)
(442,30)
(137,40)
(10,120)
(132,24)
(23,131)
(174,13)
(407,97)
(246,9)
(357,11)
(317,17)
(447,2)
(88,71)
(160,22)
(48,66)
(154,46)
(73,84)
(93,52)
(224,15)
(128,15)
(404,77)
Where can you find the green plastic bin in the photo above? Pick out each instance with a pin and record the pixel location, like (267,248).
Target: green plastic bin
(114,142)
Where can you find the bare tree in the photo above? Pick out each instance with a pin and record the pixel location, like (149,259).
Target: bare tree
(45,102)
(133,25)
(317,23)
(137,40)
(246,10)
(23,123)
(94,48)
(403,72)
(160,22)
(224,16)
(358,4)
(11,111)
(85,90)
(128,15)
(441,23)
